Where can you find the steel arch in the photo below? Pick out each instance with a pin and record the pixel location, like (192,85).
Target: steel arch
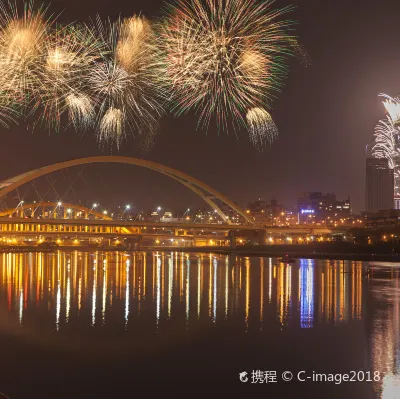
(207,193)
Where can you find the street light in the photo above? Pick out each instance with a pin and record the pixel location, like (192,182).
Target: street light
(158,208)
(105,212)
(59,203)
(93,206)
(127,207)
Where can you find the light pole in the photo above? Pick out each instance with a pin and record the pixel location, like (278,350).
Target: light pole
(127,208)
(94,206)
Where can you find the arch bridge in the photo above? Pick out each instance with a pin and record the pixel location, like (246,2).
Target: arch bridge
(81,227)
(207,193)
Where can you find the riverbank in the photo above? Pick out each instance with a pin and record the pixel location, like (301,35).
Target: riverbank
(337,251)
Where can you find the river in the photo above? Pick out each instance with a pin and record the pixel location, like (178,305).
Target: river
(81,324)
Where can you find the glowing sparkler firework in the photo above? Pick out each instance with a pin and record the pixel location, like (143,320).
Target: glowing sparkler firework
(224,57)
(387,139)
(43,64)
(124,81)
(103,77)
(22,36)
(69,56)
(300,52)
(392,106)
(261,127)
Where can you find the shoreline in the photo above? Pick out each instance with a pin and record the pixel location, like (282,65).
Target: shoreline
(334,253)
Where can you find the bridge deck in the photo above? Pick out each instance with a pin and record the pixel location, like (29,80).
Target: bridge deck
(127,224)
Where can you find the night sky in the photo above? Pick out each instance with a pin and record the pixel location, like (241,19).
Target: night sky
(326,115)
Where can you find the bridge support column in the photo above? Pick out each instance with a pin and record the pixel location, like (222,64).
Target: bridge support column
(138,244)
(232,239)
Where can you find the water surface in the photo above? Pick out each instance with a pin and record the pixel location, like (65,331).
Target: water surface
(95,324)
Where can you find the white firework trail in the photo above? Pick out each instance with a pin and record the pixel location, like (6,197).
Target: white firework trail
(261,126)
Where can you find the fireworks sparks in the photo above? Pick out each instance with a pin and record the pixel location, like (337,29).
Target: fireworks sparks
(387,138)
(300,52)
(22,39)
(136,45)
(385,141)
(220,58)
(68,59)
(81,111)
(224,57)
(261,127)
(392,106)
(111,123)
(123,83)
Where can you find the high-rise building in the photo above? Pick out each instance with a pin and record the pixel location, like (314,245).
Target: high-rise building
(387,146)
(396,170)
(379,185)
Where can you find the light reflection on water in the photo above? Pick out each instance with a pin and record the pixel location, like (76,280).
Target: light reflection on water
(385,335)
(217,287)
(122,290)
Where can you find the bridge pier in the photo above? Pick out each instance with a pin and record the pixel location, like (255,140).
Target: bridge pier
(232,239)
(135,244)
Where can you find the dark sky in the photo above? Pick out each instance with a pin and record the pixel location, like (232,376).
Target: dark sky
(325,115)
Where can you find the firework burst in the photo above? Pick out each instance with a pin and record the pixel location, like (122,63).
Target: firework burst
(261,127)
(299,51)
(386,139)
(387,146)
(124,82)
(70,54)
(392,106)
(224,57)
(22,39)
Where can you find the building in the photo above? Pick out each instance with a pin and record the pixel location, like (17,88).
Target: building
(379,194)
(396,172)
(168,218)
(321,208)
(268,214)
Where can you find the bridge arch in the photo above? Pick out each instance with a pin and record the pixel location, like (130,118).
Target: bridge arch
(207,193)
(36,205)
